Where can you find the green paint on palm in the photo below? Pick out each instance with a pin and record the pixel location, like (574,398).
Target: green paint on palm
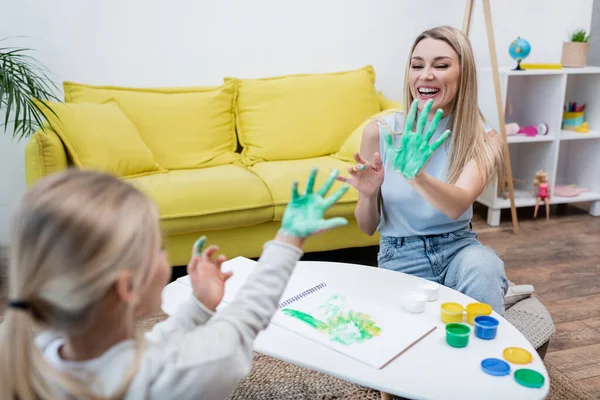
(303,215)
(340,324)
(414,150)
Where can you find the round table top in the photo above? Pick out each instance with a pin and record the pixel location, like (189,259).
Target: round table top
(431,369)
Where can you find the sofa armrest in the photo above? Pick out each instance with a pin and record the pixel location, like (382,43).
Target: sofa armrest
(386,103)
(45,154)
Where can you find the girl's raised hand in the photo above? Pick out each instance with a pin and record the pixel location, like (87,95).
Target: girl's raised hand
(366,177)
(208,281)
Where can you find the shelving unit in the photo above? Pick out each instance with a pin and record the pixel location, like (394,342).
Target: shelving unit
(531,97)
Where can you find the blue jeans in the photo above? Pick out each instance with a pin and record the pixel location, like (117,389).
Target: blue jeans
(454,259)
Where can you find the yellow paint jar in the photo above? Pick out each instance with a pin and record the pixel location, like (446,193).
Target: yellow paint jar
(477,309)
(452,312)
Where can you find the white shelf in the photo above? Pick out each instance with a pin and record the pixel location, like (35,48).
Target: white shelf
(562,71)
(537,96)
(524,198)
(571,135)
(530,139)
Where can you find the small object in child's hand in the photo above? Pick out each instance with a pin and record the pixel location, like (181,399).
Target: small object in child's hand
(495,367)
(199,245)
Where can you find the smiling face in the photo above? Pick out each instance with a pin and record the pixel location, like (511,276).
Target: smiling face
(434,74)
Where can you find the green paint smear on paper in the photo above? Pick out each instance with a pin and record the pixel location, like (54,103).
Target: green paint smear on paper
(414,150)
(340,324)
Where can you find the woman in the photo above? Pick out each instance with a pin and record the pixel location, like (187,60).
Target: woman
(418,196)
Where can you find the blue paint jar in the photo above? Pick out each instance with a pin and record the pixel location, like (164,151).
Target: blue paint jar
(486,327)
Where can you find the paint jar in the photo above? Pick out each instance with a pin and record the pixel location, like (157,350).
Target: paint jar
(476,309)
(457,335)
(432,290)
(452,312)
(486,327)
(414,302)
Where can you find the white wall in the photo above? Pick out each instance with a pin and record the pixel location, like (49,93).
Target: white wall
(191,42)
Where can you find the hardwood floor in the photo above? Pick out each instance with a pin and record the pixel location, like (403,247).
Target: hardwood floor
(560,257)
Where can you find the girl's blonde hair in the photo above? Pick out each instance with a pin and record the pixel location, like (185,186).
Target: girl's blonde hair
(72,235)
(468,140)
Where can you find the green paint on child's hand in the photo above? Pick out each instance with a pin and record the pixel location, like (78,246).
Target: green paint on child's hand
(303,215)
(199,245)
(414,150)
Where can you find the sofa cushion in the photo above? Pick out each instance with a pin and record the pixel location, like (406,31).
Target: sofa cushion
(352,144)
(99,136)
(45,154)
(214,198)
(301,116)
(279,176)
(183,127)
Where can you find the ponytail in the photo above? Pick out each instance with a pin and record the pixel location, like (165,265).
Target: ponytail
(19,369)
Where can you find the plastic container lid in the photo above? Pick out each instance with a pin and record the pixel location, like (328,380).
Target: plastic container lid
(517,355)
(495,367)
(529,378)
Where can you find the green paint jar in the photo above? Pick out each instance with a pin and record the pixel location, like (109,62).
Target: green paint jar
(457,335)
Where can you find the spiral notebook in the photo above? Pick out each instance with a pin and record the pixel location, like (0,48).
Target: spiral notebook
(345,322)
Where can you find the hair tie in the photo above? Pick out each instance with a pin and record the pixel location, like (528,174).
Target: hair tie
(18,304)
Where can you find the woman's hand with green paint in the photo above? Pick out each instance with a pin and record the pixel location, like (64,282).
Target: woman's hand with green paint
(303,215)
(414,150)
(366,177)
(208,281)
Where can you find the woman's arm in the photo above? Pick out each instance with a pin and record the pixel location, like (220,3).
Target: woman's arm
(367,208)
(452,199)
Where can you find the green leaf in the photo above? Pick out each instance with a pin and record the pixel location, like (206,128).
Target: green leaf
(23,79)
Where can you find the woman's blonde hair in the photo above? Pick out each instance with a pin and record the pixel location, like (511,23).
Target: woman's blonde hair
(72,235)
(468,140)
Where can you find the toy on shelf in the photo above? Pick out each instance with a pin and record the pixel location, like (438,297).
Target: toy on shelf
(540,183)
(569,190)
(519,49)
(530,130)
(574,118)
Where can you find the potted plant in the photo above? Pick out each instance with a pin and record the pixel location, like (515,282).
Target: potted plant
(22,79)
(574,53)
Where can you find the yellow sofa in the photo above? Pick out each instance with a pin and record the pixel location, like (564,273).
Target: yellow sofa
(220,160)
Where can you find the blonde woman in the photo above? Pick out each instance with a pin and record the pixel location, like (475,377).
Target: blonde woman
(86,260)
(419,196)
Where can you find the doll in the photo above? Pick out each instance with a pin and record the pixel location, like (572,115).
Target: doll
(540,182)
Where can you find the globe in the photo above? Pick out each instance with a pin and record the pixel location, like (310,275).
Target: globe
(519,49)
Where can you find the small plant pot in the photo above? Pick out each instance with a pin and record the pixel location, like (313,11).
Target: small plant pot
(574,54)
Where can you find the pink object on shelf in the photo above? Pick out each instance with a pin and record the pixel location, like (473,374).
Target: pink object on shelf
(569,191)
(534,130)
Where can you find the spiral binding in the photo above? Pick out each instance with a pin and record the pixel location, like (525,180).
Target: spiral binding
(301,295)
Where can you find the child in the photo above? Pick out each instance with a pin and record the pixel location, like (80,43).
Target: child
(86,261)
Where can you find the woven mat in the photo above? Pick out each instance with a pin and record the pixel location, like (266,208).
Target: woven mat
(272,379)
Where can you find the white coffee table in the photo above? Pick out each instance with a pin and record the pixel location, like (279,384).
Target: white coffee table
(431,369)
